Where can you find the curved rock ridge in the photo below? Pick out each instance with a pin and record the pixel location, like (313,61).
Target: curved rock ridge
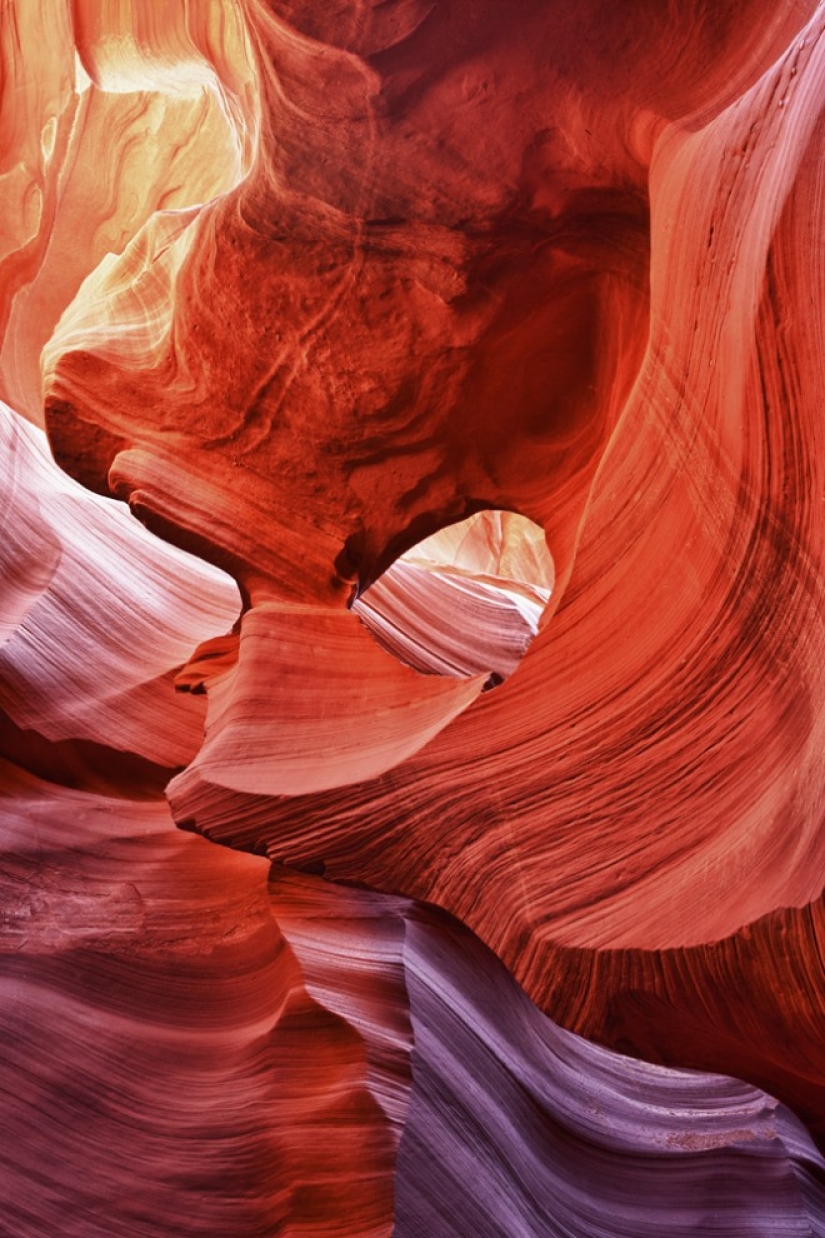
(434,331)
(467,599)
(516,1127)
(601,323)
(314,703)
(169,1066)
(573,1140)
(750,1005)
(96,614)
(111,112)
(205,1045)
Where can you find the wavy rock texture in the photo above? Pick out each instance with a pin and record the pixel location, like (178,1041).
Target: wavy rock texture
(492,573)
(504,283)
(318,290)
(517,1127)
(106,120)
(749,1005)
(155,1076)
(86,593)
(573,1139)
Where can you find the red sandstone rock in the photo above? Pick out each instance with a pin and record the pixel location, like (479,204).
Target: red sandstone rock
(307,285)
(434,328)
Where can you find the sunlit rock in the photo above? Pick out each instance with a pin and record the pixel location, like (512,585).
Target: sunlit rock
(466,600)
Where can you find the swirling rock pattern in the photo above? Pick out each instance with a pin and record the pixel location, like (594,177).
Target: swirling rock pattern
(85,591)
(466,600)
(517,1127)
(312,287)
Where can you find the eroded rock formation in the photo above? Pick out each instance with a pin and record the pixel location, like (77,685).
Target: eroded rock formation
(435,346)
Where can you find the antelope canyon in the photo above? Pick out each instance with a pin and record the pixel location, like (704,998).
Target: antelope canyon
(412,625)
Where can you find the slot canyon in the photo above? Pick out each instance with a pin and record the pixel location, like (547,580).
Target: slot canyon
(412,622)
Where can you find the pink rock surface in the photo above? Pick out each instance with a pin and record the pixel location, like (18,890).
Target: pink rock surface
(94,618)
